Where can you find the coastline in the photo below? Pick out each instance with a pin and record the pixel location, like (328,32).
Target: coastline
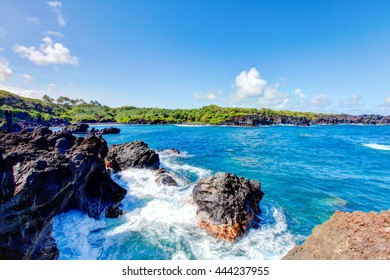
(173,168)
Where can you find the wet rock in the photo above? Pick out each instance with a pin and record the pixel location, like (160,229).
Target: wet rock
(109,130)
(163,177)
(79,128)
(44,174)
(347,236)
(227,205)
(132,155)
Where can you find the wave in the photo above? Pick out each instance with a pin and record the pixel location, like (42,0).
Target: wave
(377,146)
(160,223)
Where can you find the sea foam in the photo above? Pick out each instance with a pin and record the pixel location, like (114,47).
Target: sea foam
(377,146)
(160,222)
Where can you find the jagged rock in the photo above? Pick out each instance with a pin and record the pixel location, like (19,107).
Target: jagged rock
(43,174)
(163,177)
(263,119)
(132,154)
(31,124)
(347,236)
(109,130)
(79,128)
(227,205)
(349,119)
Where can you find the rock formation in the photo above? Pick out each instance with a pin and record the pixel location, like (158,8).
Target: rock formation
(43,174)
(78,128)
(31,124)
(347,236)
(227,205)
(263,119)
(138,155)
(132,154)
(107,130)
(163,177)
(349,119)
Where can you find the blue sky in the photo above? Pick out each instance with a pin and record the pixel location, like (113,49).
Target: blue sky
(321,56)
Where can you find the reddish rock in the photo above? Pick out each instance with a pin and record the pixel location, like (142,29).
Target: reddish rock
(347,236)
(227,205)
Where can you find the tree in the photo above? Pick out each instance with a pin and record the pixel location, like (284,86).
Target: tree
(47,99)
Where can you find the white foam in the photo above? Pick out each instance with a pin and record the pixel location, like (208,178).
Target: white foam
(377,146)
(192,125)
(182,170)
(72,232)
(161,221)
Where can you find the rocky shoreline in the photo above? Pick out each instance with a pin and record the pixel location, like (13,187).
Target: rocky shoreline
(252,120)
(255,120)
(347,236)
(45,173)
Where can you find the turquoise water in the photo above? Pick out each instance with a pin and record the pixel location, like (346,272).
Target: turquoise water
(306,173)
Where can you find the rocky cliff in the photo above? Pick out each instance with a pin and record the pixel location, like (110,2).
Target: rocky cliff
(263,119)
(347,236)
(43,174)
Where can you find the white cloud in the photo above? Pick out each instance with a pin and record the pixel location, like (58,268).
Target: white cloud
(48,53)
(207,96)
(386,103)
(56,7)
(1,49)
(2,32)
(355,101)
(249,84)
(50,87)
(321,100)
(23,92)
(5,71)
(54,33)
(33,20)
(27,78)
(273,98)
(299,93)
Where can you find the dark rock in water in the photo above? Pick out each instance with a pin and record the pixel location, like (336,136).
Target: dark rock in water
(133,154)
(227,205)
(43,174)
(347,236)
(108,130)
(80,128)
(8,125)
(163,177)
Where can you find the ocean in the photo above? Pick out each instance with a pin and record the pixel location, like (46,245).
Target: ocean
(306,173)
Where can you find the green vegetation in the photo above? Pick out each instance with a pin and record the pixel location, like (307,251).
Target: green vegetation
(77,110)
